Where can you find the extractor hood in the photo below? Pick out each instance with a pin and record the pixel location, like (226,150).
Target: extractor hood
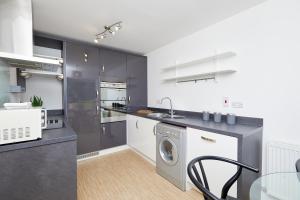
(22,61)
(16,36)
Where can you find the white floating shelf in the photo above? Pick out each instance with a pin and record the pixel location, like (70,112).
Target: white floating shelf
(195,77)
(223,55)
(43,73)
(60,60)
(17,60)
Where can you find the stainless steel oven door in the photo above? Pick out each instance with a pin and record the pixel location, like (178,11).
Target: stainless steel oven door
(110,94)
(108,116)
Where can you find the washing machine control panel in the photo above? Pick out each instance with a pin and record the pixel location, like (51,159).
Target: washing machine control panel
(170,131)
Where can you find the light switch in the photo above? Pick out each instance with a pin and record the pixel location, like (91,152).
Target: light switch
(225,102)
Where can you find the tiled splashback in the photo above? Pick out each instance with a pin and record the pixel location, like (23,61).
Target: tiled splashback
(4,83)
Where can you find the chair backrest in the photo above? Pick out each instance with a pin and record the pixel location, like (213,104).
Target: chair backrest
(298,165)
(202,183)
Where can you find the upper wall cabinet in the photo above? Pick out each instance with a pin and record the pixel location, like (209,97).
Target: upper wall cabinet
(112,66)
(136,81)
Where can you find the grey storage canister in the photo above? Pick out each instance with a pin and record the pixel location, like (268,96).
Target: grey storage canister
(217,117)
(205,116)
(231,119)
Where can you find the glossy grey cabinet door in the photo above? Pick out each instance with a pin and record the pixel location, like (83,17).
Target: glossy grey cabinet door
(112,65)
(113,134)
(137,81)
(82,83)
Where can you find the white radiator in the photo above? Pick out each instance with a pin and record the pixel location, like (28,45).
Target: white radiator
(281,157)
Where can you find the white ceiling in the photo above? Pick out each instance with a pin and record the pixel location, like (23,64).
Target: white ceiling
(147,24)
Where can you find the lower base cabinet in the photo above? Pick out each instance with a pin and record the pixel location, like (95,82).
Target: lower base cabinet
(203,143)
(45,172)
(112,134)
(141,135)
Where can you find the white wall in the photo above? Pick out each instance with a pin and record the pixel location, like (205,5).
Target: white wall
(4,83)
(49,88)
(266,39)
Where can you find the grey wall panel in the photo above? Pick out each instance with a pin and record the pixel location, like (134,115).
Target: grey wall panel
(47,42)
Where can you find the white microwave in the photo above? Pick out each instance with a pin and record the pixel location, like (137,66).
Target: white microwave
(20,125)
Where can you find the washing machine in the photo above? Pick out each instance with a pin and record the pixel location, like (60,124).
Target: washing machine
(171,153)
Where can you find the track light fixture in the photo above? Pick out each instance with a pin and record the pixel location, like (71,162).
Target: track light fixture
(112,29)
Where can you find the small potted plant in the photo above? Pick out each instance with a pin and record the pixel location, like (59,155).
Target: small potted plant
(36,102)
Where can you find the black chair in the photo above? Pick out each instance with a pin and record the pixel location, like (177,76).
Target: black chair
(202,183)
(298,165)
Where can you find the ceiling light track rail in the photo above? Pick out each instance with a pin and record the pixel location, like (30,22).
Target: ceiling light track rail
(108,30)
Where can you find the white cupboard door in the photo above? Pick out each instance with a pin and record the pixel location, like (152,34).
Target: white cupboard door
(201,143)
(132,131)
(148,141)
(138,142)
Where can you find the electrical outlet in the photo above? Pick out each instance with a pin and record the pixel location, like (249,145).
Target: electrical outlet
(225,102)
(237,104)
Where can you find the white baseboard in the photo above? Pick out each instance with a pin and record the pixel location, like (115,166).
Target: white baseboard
(101,153)
(143,156)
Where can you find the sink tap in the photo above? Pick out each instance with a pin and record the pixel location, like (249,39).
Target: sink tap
(171,105)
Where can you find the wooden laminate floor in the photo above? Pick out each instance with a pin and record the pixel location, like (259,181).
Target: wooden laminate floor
(125,176)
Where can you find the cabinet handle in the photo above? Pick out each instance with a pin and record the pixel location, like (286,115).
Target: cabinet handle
(154,130)
(85,57)
(103,130)
(136,124)
(208,139)
(97,94)
(97,110)
(103,68)
(129,99)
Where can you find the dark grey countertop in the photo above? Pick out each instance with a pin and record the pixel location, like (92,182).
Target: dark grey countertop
(238,130)
(245,125)
(51,136)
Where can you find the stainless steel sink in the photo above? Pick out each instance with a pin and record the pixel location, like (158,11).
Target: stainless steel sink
(164,115)
(159,115)
(178,116)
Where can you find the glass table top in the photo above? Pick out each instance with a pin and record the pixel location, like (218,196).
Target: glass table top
(277,186)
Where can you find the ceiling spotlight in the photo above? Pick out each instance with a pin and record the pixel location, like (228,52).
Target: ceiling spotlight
(112,29)
(118,27)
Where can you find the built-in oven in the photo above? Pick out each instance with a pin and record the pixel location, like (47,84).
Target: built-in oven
(112,102)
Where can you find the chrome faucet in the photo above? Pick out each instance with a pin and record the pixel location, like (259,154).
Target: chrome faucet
(171,105)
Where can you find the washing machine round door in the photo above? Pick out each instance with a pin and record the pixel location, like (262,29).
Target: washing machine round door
(168,151)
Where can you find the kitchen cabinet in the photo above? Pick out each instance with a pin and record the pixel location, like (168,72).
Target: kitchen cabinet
(112,65)
(136,81)
(132,131)
(81,85)
(113,134)
(201,143)
(141,135)
(148,134)
(42,172)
